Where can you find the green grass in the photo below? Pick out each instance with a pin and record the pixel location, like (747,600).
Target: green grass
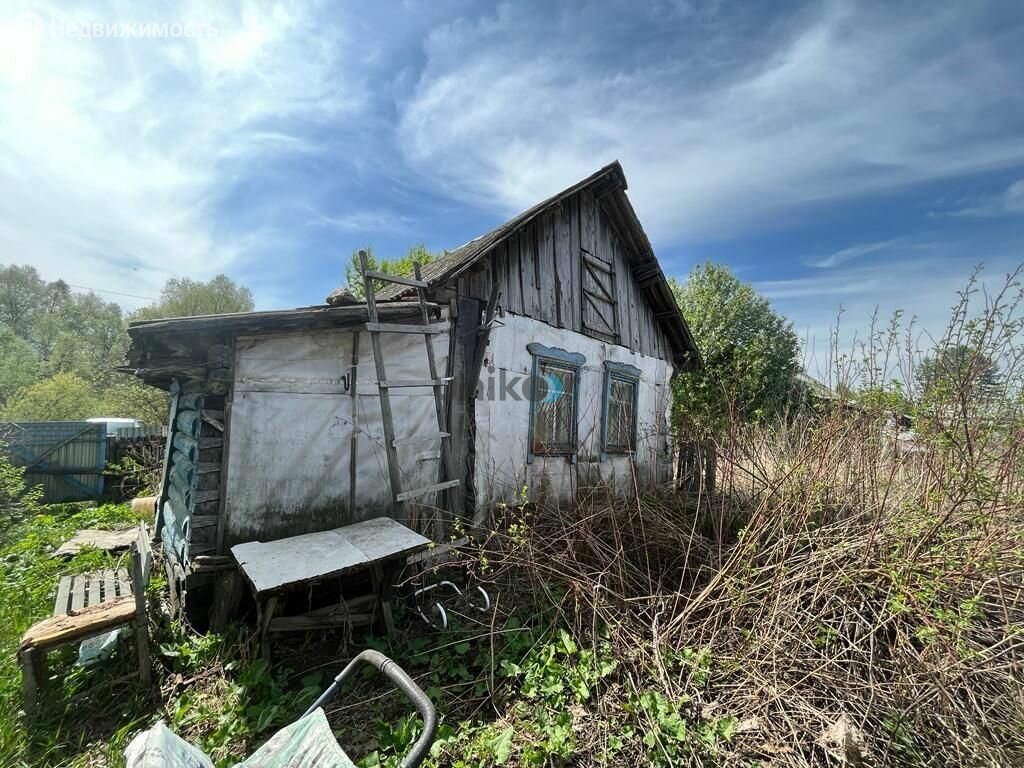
(27,590)
(217,693)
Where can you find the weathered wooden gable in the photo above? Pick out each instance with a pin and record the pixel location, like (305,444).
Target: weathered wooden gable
(572,267)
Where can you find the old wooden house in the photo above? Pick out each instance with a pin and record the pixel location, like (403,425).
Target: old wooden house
(554,339)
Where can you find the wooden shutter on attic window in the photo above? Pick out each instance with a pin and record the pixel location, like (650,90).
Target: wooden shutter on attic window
(599,311)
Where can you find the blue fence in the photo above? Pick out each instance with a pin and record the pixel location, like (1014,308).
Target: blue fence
(66,458)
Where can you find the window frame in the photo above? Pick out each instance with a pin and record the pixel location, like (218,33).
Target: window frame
(557,357)
(623,373)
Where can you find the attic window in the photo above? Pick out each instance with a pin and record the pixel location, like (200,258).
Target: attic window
(554,401)
(599,304)
(618,422)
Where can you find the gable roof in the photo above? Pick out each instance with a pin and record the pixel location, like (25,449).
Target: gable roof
(608,185)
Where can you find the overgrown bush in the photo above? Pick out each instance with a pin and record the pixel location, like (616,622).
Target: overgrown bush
(850,592)
(16,501)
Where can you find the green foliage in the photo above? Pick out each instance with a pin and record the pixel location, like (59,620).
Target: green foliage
(666,731)
(670,737)
(905,745)
(23,294)
(559,672)
(126,396)
(402,267)
(957,368)
(58,350)
(750,353)
(252,700)
(77,333)
(82,335)
(63,397)
(19,366)
(184,297)
(888,397)
(695,662)
(16,501)
(68,397)
(28,582)
(543,678)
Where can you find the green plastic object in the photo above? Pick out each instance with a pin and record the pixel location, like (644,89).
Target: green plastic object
(306,743)
(159,747)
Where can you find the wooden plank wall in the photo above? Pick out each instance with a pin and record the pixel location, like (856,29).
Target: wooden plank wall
(540,274)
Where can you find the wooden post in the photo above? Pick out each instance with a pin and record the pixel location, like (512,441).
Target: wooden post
(141,563)
(480,516)
(222,505)
(458,392)
(352,462)
(161,495)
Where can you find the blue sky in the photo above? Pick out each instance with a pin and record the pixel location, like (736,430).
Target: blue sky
(837,154)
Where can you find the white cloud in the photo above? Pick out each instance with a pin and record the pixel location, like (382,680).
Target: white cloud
(115,152)
(369,221)
(923,288)
(1009,202)
(119,158)
(840,103)
(854,252)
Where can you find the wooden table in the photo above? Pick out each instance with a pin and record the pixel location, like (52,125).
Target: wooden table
(274,568)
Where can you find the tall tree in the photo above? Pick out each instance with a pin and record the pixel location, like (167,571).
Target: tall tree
(64,397)
(85,335)
(184,297)
(22,294)
(402,267)
(58,350)
(751,353)
(19,366)
(957,368)
(124,395)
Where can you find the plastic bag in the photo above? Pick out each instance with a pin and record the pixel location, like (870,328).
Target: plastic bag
(306,743)
(160,748)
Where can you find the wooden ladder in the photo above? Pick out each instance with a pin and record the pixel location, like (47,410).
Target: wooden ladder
(385,385)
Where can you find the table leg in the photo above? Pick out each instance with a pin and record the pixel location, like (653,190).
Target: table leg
(382,587)
(30,679)
(265,614)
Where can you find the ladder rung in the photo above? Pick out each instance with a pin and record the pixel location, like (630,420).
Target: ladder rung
(421,439)
(415,383)
(407,328)
(426,489)
(375,275)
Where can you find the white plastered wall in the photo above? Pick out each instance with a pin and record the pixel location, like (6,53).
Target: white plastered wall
(502,438)
(292,425)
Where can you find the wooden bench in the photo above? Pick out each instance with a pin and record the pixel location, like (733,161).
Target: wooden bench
(87,605)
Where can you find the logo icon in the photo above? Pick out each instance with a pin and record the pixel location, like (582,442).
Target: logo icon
(554,388)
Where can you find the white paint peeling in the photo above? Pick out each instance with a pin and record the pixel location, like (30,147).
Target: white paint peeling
(502,470)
